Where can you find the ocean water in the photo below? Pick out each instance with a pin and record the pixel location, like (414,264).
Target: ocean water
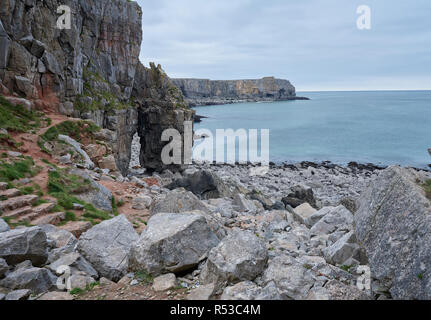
(380,127)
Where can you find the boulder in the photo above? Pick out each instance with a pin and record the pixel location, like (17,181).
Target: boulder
(108,162)
(247,290)
(393,224)
(24,244)
(291,278)
(177,201)
(337,219)
(3,226)
(203,292)
(164,282)
(37,280)
(239,256)
(302,212)
(80,281)
(336,290)
(141,202)
(299,195)
(75,261)
(172,242)
(95,151)
(88,164)
(345,251)
(243,204)
(98,195)
(107,246)
(23,294)
(205,184)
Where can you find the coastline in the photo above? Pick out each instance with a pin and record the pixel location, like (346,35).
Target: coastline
(214,102)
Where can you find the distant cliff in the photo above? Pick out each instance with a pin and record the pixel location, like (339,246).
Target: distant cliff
(210,92)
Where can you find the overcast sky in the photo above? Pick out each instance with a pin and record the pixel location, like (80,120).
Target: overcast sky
(313,43)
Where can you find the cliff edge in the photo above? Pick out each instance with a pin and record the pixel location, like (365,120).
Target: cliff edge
(211,92)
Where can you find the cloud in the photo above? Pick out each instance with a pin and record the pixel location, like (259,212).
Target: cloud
(313,43)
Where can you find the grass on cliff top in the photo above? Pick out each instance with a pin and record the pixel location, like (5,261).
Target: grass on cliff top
(65,187)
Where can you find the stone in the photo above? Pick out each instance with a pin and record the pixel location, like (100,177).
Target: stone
(99,195)
(239,256)
(302,212)
(88,164)
(3,267)
(316,216)
(345,251)
(141,202)
(52,218)
(3,226)
(205,184)
(350,204)
(96,151)
(299,195)
(203,292)
(24,244)
(172,242)
(23,294)
(336,290)
(77,228)
(37,280)
(106,282)
(243,204)
(108,162)
(394,227)
(80,281)
(55,296)
(76,261)
(177,201)
(164,282)
(247,290)
(337,219)
(107,246)
(292,279)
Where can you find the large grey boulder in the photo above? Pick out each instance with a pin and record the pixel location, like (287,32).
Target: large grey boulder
(176,201)
(291,278)
(298,195)
(393,224)
(38,280)
(16,295)
(180,200)
(3,226)
(60,242)
(345,251)
(107,246)
(99,196)
(24,244)
(239,256)
(337,219)
(75,261)
(172,242)
(205,184)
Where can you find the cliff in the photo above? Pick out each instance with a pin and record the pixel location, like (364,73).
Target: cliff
(89,71)
(210,92)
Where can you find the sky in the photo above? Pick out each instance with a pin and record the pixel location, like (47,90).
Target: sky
(313,43)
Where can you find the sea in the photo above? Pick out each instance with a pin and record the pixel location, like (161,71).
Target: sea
(379,127)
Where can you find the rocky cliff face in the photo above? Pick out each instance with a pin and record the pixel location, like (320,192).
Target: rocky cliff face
(209,92)
(89,71)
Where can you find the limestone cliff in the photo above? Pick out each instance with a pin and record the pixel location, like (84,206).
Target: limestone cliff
(89,71)
(209,92)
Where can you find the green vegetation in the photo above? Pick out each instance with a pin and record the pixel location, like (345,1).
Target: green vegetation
(100,99)
(420,276)
(427,188)
(18,118)
(346,268)
(308,266)
(73,129)
(79,291)
(17,170)
(64,187)
(144,277)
